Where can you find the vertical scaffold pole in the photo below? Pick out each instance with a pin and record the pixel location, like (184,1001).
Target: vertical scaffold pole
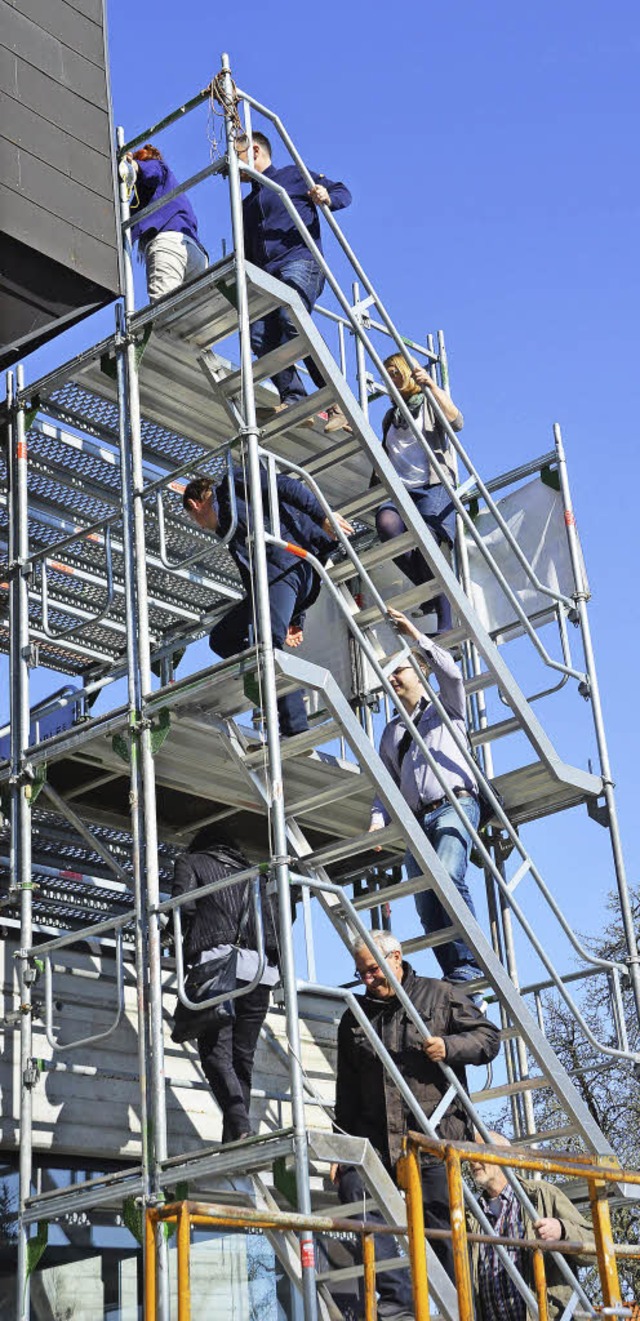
(20,879)
(410,1180)
(267,668)
(134,702)
(148,834)
(580,599)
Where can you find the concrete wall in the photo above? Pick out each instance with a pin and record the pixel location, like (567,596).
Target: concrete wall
(97,1114)
(58,236)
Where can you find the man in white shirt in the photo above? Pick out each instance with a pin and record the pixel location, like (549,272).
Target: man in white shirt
(423,790)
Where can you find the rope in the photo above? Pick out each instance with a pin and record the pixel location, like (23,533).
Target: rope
(221,105)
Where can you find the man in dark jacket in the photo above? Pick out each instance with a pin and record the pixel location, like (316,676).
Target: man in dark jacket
(273,243)
(226,1049)
(293,583)
(369,1105)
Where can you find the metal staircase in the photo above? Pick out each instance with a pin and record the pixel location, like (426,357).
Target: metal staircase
(106,580)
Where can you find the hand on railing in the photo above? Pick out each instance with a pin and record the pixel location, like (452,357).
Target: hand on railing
(548,1229)
(344,526)
(403,624)
(319,194)
(435,1049)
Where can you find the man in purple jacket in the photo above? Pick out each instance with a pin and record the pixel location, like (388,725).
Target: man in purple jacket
(273,242)
(168,239)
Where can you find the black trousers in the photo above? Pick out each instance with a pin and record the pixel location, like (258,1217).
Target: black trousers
(226,1055)
(394,1287)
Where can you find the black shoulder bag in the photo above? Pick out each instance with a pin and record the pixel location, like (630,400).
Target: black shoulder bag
(203,981)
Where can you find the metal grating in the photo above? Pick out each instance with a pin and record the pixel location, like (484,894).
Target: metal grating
(72,885)
(81,407)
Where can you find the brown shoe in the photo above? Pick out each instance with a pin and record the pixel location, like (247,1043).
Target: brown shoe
(336,421)
(306,422)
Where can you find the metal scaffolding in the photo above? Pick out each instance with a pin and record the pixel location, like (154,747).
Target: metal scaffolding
(108,584)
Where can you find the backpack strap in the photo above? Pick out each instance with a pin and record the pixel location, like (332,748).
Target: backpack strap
(243,920)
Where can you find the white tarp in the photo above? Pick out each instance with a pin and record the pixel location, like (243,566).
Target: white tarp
(535,516)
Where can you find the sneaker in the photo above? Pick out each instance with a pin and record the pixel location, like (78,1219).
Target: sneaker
(336,421)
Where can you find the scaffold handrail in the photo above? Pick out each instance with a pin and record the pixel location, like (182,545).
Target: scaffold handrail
(440,469)
(358,329)
(57,635)
(478,843)
(245,987)
(465,752)
(45,955)
(392,330)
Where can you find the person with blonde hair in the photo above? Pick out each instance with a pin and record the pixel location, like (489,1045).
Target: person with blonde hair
(417,472)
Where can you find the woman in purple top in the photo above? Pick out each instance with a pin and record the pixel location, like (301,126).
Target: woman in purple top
(167,239)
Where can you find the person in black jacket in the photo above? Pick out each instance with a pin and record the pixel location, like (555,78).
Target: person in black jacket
(293,583)
(227,1049)
(369,1105)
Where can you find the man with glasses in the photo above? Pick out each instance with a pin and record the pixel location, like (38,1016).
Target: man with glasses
(369,1105)
(423,790)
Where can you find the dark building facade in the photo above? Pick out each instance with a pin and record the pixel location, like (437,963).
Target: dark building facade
(58,195)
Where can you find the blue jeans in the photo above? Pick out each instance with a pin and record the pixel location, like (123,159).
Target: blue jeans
(452,844)
(288,597)
(305,276)
(436,508)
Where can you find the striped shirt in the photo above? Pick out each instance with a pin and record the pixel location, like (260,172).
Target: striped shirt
(499,1298)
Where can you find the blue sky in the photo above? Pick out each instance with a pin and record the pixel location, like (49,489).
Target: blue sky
(491,153)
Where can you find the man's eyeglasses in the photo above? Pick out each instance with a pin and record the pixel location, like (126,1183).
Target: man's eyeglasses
(375,970)
(368,974)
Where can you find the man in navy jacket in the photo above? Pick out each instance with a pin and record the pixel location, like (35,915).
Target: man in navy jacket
(273,243)
(293,583)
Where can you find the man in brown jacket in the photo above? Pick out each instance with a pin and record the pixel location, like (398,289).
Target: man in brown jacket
(369,1105)
(497,1298)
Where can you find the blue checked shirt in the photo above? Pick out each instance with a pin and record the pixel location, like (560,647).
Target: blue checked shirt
(499,1298)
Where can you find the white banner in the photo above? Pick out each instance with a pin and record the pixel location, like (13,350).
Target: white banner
(534,515)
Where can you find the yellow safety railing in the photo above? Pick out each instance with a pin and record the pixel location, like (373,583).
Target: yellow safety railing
(598,1174)
(209,1215)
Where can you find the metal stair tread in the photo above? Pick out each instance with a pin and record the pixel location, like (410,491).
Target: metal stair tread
(296,414)
(380,553)
(532,792)
(270,363)
(357,844)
